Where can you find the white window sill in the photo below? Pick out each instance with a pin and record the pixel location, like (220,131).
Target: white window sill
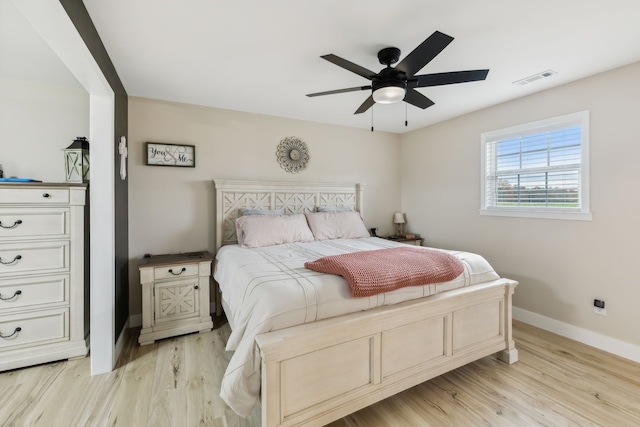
(543,214)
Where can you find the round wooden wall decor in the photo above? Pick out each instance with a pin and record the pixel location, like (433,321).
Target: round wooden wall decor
(293,154)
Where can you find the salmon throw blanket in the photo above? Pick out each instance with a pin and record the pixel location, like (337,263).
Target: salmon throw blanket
(373,272)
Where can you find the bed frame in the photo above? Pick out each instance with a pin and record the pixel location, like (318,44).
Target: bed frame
(316,373)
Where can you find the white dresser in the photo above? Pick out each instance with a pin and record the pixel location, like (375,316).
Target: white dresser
(42,290)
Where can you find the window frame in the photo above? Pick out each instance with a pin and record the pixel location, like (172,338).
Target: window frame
(582,213)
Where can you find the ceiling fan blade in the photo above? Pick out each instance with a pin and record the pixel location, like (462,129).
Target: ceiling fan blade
(348,65)
(331,92)
(438,79)
(414,97)
(368,103)
(424,53)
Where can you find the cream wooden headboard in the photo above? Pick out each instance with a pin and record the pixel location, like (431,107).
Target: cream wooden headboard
(292,197)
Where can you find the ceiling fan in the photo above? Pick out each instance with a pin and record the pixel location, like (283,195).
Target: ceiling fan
(393,84)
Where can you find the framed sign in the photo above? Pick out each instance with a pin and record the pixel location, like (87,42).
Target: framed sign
(159,154)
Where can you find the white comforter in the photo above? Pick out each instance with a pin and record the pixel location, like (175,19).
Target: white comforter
(266,289)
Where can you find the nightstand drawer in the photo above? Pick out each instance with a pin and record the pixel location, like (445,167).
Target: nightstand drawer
(33,328)
(416,242)
(34,257)
(45,196)
(34,223)
(18,294)
(177,271)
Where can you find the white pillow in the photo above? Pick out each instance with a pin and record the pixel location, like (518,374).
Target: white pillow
(255,231)
(336,225)
(252,211)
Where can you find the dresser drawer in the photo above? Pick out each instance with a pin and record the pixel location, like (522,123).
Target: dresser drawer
(33,292)
(44,196)
(33,223)
(33,328)
(33,257)
(177,271)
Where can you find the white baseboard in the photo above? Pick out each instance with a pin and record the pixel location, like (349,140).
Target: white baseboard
(120,341)
(585,336)
(135,320)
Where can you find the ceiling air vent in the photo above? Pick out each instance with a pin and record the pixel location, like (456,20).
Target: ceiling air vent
(531,79)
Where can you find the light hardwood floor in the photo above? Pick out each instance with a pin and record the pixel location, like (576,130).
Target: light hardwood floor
(175,382)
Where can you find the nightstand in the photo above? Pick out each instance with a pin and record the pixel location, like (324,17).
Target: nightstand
(175,295)
(417,241)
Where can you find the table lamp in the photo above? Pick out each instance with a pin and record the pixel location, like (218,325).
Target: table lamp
(398,218)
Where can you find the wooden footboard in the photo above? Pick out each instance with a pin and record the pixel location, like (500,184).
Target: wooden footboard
(319,372)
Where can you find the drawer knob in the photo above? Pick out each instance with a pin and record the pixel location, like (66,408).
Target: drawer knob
(46,195)
(196,287)
(15,331)
(16,258)
(177,274)
(15,224)
(15,294)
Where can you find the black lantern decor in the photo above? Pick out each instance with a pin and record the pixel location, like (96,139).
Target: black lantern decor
(76,160)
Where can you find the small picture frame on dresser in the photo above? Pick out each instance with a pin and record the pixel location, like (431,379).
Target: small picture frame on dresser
(160,154)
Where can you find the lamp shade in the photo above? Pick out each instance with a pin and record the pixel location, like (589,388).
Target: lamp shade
(398,218)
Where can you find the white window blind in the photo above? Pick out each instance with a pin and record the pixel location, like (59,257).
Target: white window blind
(538,169)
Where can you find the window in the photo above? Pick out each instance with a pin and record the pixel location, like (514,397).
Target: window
(538,169)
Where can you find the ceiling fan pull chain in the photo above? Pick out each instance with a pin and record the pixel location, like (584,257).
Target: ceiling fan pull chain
(406,122)
(372,119)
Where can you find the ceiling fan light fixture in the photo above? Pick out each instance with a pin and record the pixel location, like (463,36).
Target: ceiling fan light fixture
(389,92)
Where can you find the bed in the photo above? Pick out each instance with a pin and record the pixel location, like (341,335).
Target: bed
(321,354)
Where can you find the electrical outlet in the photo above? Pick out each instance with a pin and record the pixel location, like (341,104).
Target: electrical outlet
(598,307)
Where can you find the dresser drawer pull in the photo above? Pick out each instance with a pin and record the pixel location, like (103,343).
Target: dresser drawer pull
(15,331)
(15,224)
(177,274)
(46,195)
(15,294)
(16,258)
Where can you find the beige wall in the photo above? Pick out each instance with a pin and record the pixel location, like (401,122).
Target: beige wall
(38,121)
(561,265)
(171,209)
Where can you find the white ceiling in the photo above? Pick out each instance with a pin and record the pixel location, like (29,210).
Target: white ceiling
(264,56)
